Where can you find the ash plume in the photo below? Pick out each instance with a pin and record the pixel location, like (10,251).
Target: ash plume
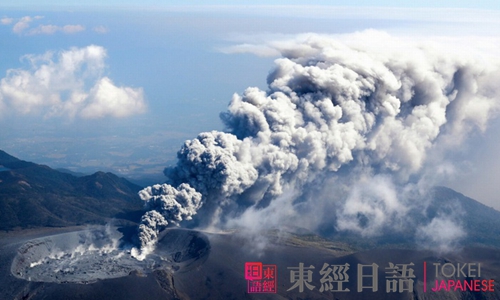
(345,129)
(165,205)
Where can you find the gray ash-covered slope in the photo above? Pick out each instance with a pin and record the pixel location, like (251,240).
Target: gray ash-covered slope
(480,224)
(190,264)
(194,265)
(222,275)
(95,254)
(33,195)
(90,264)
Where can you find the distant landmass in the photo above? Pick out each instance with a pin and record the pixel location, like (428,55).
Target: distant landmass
(76,174)
(479,223)
(33,195)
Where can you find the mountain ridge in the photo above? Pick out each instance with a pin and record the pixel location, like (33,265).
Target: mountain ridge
(33,195)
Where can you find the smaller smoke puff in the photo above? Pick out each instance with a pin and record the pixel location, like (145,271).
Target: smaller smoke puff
(152,223)
(442,234)
(373,203)
(166,205)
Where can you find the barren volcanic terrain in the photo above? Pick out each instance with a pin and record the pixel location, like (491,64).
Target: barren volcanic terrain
(95,263)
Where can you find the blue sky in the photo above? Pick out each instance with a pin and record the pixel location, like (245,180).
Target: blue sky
(169,62)
(425,3)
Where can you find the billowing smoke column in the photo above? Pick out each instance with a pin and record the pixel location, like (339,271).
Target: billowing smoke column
(356,106)
(165,205)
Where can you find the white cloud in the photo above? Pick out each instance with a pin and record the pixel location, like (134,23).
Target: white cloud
(106,99)
(24,23)
(72,28)
(101,29)
(6,21)
(259,50)
(273,45)
(45,29)
(69,83)
(51,29)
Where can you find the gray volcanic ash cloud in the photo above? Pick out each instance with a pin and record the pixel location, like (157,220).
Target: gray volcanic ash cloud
(165,205)
(366,115)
